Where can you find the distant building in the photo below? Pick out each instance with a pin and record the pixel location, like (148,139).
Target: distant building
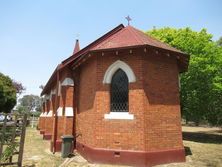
(121,95)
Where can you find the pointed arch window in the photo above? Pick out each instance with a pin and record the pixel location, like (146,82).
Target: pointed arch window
(119,92)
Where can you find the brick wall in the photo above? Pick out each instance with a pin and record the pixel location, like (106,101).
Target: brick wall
(40,118)
(94,99)
(65,123)
(68,95)
(60,127)
(120,134)
(85,89)
(43,118)
(49,120)
(153,99)
(162,106)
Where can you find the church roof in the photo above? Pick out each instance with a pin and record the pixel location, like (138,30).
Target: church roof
(130,36)
(121,37)
(117,38)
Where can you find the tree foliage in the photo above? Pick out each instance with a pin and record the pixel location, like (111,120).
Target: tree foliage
(19,87)
(201,86)
(29,103)
(219,42)
(7,94)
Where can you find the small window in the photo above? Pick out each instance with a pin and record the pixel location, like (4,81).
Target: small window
(119,92)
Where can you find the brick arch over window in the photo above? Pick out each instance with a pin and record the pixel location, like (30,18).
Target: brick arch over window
(114,67)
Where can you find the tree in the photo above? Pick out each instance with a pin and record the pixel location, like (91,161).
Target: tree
(29,103)
(201,86)
(7,94)
(219,42)
(19,87)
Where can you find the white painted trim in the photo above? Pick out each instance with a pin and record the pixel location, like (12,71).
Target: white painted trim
(119,115)
(45,114)
(59,89)
(67,82)
(49,114)
(114,67)
(43,99)
(47,97)
(59,111)
(69,111)
(53,92)
(41,115)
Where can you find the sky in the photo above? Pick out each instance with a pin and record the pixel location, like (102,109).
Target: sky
(35,36)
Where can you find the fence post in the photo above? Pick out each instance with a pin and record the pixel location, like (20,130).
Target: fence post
(13,135)
(3,135)
(22,141)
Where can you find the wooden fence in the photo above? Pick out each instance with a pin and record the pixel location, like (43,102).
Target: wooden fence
(12,138)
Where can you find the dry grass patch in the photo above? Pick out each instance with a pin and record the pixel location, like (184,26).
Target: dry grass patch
(203,147)
(37,153)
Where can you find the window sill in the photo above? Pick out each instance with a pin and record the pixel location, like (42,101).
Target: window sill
(119,115)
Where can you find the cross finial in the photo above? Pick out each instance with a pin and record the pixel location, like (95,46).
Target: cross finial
(77,36)
(128,19)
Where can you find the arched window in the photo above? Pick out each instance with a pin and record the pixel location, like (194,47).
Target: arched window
(119,91)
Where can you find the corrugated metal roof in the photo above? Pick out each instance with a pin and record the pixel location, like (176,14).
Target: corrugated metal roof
(119,37)
(130,36)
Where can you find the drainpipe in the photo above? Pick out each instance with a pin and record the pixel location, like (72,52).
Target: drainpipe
(56,108)
(74,112)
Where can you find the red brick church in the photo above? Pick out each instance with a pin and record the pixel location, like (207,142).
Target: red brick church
(120,96)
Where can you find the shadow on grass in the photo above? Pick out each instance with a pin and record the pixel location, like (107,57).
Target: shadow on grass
(71,155)
(187,151)
(202,137)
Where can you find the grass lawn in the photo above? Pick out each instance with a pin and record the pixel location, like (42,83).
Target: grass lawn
(36,151)
(203,147)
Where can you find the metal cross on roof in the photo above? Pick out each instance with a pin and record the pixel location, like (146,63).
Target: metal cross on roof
(128,19)
(77,36)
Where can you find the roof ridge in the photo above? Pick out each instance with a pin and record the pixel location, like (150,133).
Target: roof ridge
(113,36)
(134,34)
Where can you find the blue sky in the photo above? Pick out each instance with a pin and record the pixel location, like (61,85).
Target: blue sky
(35,36)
